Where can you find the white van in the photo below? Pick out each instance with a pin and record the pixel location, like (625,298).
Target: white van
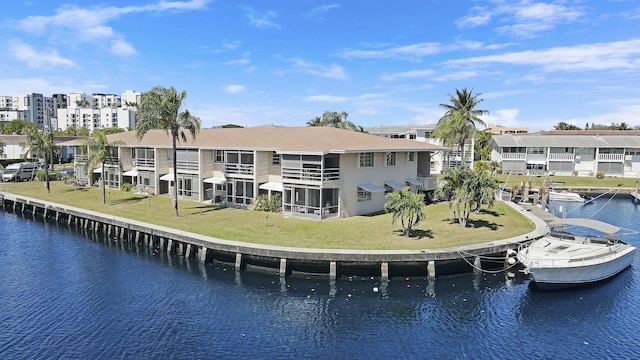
(24,171)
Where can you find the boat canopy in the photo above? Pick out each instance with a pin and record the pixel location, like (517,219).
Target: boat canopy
(588,223)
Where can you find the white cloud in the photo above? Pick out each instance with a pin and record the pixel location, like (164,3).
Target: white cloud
(617,55)
(408,75)
(327,99)
(503,117)
(408,51)
(319,11)
(233,88)
(37,59)
(122,48)
(524,18)
(89,25)
(263,21)
(331,71)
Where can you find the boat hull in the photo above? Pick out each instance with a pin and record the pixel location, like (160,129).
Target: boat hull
(565,196)
(565,276)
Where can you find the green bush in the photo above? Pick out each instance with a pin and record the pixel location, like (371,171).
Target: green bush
(53,176)
(600,175)
(272,204)
(127,187)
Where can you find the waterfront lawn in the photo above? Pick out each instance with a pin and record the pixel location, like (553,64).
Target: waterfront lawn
(373,232)
(569,181)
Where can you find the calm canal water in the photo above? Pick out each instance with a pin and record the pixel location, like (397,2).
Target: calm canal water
(66,296)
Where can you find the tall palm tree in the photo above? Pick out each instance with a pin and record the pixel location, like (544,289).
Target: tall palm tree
(100,152)
(461,119)
(335,119)
(40,143)
(160,108)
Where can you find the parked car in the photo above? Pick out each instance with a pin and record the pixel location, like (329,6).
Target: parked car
(24,171)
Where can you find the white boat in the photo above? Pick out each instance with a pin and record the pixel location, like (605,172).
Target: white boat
(565,196)
(635,195)
(562,259)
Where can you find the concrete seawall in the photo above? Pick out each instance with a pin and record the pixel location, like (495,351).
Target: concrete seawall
(285,260)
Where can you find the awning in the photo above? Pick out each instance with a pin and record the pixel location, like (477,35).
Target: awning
(133,172)
(414,182)
(97,170)
(271,185)
(167,177)
(371,188)
(536,162)
(215,180)
(395,185)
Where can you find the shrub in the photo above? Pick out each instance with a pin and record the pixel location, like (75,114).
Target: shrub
(127,187)
(600,175)
(272,204)
(53,176)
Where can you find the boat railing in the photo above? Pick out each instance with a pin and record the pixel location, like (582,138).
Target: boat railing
(565,262)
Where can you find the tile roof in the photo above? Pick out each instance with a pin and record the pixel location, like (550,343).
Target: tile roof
(312,140)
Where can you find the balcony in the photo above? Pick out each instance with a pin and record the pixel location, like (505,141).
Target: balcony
(561,156)
(310,174)
(610,157)
(428,183)
(147,163)
(242,169)
(514,156)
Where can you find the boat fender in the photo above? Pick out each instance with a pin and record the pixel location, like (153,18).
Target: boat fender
(511,261)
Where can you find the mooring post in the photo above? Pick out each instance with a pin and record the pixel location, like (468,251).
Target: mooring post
(187,253)
(384,271)
(169,245)
(431,269)
(477,265)
(238,261)
(283,267)
(203,255)
(333,270)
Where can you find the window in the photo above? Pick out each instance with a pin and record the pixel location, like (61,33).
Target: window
(412,136)
(363,195)
(366,159)
(219,156)
(535,150)
(275,159)
(390,159)
(410,156)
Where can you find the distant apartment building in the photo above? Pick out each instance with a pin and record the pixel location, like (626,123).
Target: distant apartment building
(16,147)
(60,111)
(505,130)
(580,153)
(440,160)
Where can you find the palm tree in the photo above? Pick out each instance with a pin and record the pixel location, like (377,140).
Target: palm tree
(40,143)
(460,120)
(335,119)
(406,206)
(101,152)
(1,148)
(160,108)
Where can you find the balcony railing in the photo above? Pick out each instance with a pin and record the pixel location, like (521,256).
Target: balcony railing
(561,156)
(428,183)
(610,157)
(144,163)
(244,169)
(311,174)
(514,156)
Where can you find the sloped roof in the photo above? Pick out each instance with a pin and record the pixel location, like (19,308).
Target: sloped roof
(311,140)
(580,139)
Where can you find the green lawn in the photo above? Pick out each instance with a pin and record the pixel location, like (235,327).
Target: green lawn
(577,181)
(373,232)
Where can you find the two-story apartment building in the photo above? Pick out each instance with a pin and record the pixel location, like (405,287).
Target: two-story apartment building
(320,172)
(440,160)
(16,147)
(582,153)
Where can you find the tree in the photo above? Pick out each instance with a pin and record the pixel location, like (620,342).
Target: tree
(460,120)
(482,145)
(100,152)
(466,190)
(18,127)
(406,206)
(336,120)
(82,103)
(40,143)
(566,126)
(1,148)
(160,108)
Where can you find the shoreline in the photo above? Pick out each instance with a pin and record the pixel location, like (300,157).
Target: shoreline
(286,260)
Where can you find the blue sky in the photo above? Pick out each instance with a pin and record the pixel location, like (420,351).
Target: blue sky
(284,62)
